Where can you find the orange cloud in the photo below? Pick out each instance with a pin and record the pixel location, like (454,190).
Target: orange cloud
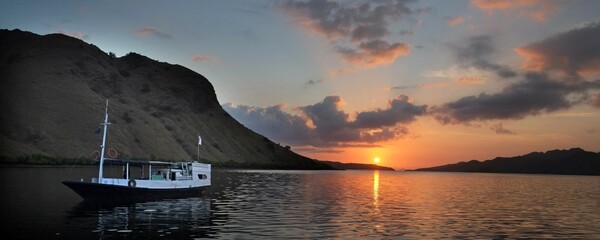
(375,52)
(542,13)
(571,53)
(534,60)
(502,4)
(453,21)
(201,58)
(149,31)
(537,10)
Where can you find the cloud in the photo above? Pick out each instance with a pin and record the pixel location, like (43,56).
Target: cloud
(476,51)
(469,80)
(201,58)
(331,124)
(273,122)
(453,21)
(78,35)
(374,52)
(360,27)
(596,101)
(313,82)
(324,124)
(545,10)
(575,52)
(591,131)
(406,32)
(535,94)
(399,111)
(464,80)
(150,31)
(537,10)
(502,4)
(499,129)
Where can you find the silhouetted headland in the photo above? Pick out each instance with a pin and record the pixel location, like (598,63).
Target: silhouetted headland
(54,86)
(356,166)
(575,161)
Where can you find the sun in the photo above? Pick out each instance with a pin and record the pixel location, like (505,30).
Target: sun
(376,159)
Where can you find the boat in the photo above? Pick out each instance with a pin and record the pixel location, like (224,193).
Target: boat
(155,180)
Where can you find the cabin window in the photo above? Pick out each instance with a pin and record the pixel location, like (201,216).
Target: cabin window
(202,176)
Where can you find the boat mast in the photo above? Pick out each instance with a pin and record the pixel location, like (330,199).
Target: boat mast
(105,124)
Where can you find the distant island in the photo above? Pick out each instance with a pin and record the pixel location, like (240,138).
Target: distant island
(356,166)
(575,161)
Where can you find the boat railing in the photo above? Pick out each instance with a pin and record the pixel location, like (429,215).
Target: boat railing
(184,178)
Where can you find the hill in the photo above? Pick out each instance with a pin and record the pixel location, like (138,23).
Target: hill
(356,166)
(53,89)
(575,161)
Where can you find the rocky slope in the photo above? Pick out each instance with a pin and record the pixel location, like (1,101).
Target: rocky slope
(53,89)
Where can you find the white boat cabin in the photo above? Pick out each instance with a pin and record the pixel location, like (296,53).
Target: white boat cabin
(158,174)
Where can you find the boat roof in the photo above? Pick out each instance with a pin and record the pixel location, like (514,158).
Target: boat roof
(136,162)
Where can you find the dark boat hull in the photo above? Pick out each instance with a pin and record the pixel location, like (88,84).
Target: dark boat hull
(112,193)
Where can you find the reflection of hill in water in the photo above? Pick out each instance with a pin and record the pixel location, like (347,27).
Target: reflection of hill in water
(171,218)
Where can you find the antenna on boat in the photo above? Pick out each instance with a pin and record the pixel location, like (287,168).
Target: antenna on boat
(105,124)
(199,143)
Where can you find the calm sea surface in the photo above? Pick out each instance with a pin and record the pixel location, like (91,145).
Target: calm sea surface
(312,204)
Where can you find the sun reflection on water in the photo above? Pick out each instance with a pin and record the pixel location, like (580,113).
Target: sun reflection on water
(376,190)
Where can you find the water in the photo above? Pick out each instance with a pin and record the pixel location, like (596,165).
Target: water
(313,204)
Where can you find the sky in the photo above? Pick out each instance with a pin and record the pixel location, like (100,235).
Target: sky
(415,83)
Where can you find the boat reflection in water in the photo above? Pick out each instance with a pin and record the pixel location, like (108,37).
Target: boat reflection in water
(171,218)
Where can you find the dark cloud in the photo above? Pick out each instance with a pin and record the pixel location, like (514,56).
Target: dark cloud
(595,101)
(330,122)
(591,131)
(476,52)
(364,24)
(499,129)
(535,94)
(399,111)
(575,52)
(313,82)
(359,21)
(374,52)
(324,124)
(272,122)
(406,32)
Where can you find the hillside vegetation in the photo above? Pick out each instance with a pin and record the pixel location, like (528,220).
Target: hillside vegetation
(53,90)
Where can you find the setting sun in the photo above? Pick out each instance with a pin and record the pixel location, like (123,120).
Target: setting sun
(376,159)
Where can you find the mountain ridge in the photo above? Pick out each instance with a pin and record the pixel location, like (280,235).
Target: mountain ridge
(574,161)
(356,166)
(53,92)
